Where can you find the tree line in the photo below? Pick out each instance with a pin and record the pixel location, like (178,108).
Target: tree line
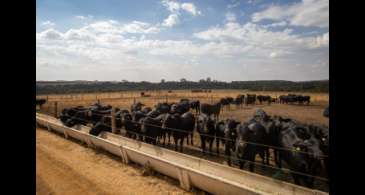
(65,87)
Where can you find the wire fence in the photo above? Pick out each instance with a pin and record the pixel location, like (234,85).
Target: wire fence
(214,136)
(221,138)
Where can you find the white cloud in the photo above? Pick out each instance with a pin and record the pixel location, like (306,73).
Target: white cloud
(304,13)
(50,34)
(170,21)
(189,7)
(277,24)
(261,39)
(103,49)
(112,26)
(47,23)
(172,6)
(84,17)
(321,41)
(231,17)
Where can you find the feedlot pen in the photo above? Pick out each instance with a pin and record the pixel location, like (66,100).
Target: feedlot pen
(190,171)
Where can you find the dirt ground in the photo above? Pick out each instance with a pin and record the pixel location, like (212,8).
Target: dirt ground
(67,167)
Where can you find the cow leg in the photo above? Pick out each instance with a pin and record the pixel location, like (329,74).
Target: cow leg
(210,146)
(191,138)
(169,136)
(252,165)
(202,139)
(267,151)
(175,140)
(296,178)
(262,154)
(228,154)
(164,138)
(181,144)
(278,158)
(217,144)
(242,163)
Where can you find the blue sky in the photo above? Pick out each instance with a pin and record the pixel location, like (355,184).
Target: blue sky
(172,39)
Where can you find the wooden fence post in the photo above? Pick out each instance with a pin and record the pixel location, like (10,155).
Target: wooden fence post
(113,120)
(55,109)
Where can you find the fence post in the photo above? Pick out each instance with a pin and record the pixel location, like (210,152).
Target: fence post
(55,109)
(211,99)
(167,99)
(98,101)
(113,121)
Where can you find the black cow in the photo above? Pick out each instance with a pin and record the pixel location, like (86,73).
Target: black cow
(146,110)
(81,117)
(209,109)
(136,107)
(137,116)
(67,113)
(249,133)
(97,115)
(195,105)
(263,98)
(274,100)
(225,102)
(180,108)
(304,99)
(40,102)
(293,98)
(151,128)
(99,127)
(163,107)
(321,133)
(131,128)
(219,134)
(105,124)
(206,129)
(230,136)
(238,101)
(250,99)
(307,160)
(180,125)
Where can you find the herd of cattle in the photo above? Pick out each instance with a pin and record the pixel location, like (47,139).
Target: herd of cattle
(303,147)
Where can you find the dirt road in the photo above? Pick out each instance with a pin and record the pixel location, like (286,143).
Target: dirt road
(67,167)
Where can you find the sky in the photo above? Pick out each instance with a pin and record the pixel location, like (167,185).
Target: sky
(150,40)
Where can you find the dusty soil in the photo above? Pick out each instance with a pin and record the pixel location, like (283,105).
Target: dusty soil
(68,167)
